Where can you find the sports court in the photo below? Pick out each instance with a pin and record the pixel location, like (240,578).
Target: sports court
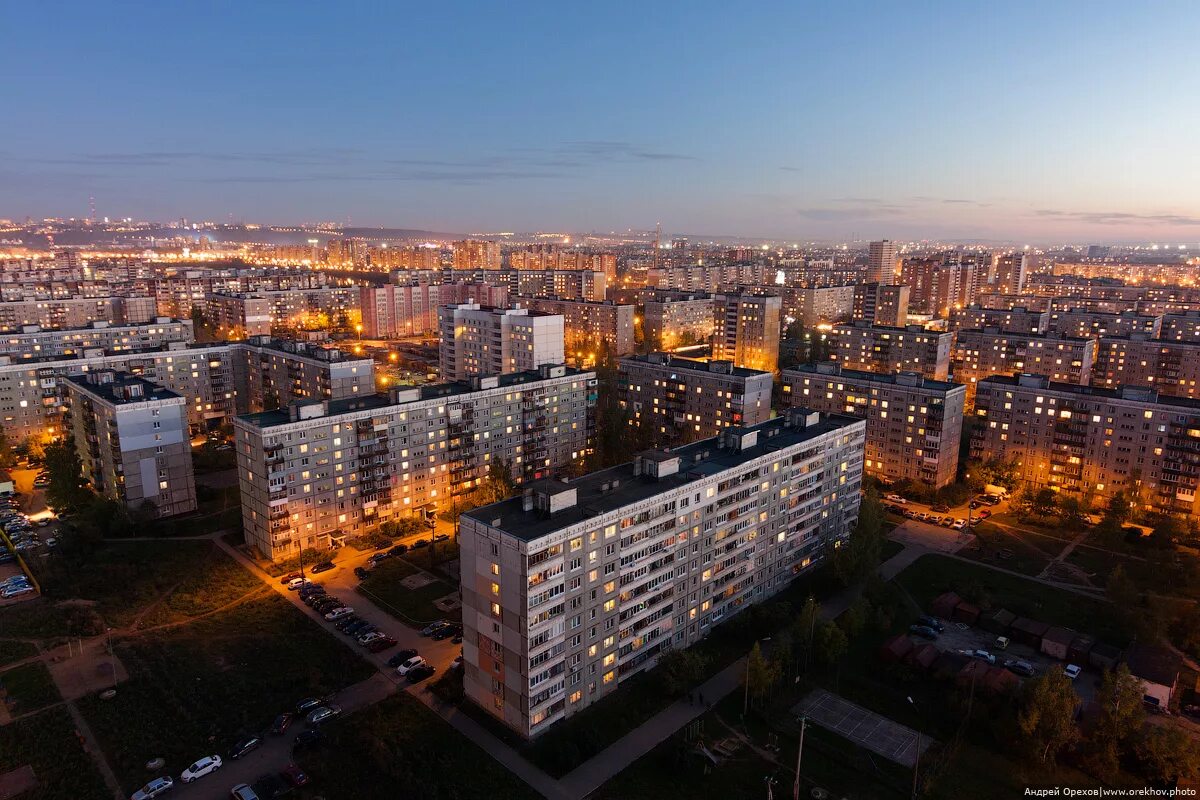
(891,740)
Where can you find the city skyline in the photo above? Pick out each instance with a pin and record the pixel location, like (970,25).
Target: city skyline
(1017,124)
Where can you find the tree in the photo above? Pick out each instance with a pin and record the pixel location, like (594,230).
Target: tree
(1168,755)
(804,630)
(1119,717)
(8,456)
(1047,712)
(830,644)
(1167,533)
(1070,513)
(859,555)
(679,670)
(761,674)
(855,618)
(65,472)
(1044,502)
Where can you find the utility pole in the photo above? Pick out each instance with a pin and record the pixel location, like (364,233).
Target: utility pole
(799,753)
(917,754)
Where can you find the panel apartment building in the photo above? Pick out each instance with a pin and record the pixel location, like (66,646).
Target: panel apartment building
(882,348)
(1172,367)
(275,372)
(314,472)
(813,306)
(585,325)
(132,438)
(978,354)
(880,304)
(34,342)
(477,340)
(76,312)
(1093,442)
(913,423)
(673,318)
(678,400)
(747,330)
(1006,320)
(579,585)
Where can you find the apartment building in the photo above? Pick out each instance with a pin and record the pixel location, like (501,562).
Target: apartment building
(1091,442)
(554,257)
(673,318)
(1094,324)
(586,324)
(1172,367)
(392,311)
(913,423)
(816,305)
(579,585)
(34,342)
(881,261)
(1010,272)
(747,330)
(978,354)
(237,316)
(1009,301)
(476,340)
(882,348)
(275,372)
(242,314)
(476,254)
(1181,327)
(560,284)
(76,312)
(940,282)
(880,304)
(315,472)
(1007,320)
(678,400)
(132,438)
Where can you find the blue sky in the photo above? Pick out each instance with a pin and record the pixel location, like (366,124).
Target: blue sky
(1022,121)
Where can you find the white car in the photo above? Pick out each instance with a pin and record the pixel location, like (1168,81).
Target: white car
(411,664)
(895,498)
(985,656)
(201,768)
(243,791)
(1072,671)
(15,591)
(296,583)
(959,524)
(373,636)
(338,613)
(154,788)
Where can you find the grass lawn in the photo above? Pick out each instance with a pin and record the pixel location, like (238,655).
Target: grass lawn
(47,742)
(28,688)
(1016,552)
(11,651)
(930,575)
(411,606)
(398,749)
(890,549)
(196,688)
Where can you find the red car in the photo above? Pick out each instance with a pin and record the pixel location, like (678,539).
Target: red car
(294,775)
(982,513)
(379,645)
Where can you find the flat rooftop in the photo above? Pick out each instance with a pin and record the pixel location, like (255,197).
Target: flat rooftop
(673,362)
(1139,394)
(595,494)
(123,388)
(282,416)
(913,379)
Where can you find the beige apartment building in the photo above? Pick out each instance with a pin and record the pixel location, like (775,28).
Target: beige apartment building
(747,330)
(914,423)
(882,348)
(132,438)
(476,340)
(1172,367)
(76,312)
(581,584)
(812,306)
(1094,324)
(476,254)
(34,342)
(313,473)
(978,354)
(586,325)
(674,318)
(678,400)
(1007,320)
(880,304)
(1090,442)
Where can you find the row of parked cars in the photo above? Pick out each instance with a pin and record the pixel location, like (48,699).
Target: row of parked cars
(945,520)
(344,619)
(930,627)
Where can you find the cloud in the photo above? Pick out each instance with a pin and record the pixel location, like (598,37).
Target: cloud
(166,158)
(847,213)
(1117,217)
(950,201)
(792,169)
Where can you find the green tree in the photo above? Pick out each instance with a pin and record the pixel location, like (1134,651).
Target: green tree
(65,471)
(858,556)
(1119,717)
(761,674)
(831,643)
(1044,502)
(8,456)
(856,617)
(1167,755)
(1046,714)
(1070,513)
(1167,533)
(679,670)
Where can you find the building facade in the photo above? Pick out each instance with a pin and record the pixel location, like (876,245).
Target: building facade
(579,585)
(492,341)
(747,329)
(673,318)
(586,325)
(880,304)
(880,348)
(881,262)
(978,354)
(34,342)
(1172,367)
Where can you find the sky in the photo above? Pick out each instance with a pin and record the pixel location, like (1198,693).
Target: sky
(1014,121)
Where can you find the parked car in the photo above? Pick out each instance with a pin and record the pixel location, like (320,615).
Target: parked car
(308,704)
(295,583)
(419,543)
(294,775)
(16,591)
(1072,671)
(1001,643)
(154,788)
(924,631)
(379,645)
(199,769)
(399,550)
(282,723)
(959,524)
(417,674)
(338,613)
(895,498)
(984,656)
(291,576)
(445,632)
(983,514)
(376,558)
(400,656)
(1022,668)
(243,791)
(361,573)
(941,508)
(429,629)
(324,566)
(244,746)
(319,715)
(307,739)
(369,638)
(409,665)
(441,537)
(931,622)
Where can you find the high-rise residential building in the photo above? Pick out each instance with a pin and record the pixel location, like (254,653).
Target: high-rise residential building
(271,373)
(560,284)
(1010,273)
(881,348)
(476,340)
(881,262)
(678,400)
(391,311)
(132,439)
(346,252)
(675,318)
(880,304)
(981,353)
(747,330)
(555,257)
(403,258)
(586,325)
(34,342)
(1010,301)
(817,305)
(579,585)
(1091,442)
(1007,320)
(940,282)
(1094,324)
(1183,326)
(76,312)
(476,254)
(313,473)
(914,423)
(1137,360)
